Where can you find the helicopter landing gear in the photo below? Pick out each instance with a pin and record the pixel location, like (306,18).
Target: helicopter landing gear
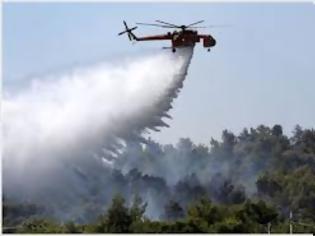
(173,50)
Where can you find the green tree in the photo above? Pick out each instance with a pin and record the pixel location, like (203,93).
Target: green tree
(258,212)
(137,209)
(173,210)
(71,227)
(277,130)
(35,225)
(202,214)
(118,218)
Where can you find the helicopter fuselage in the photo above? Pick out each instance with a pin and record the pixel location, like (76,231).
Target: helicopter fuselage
(188,38)
(184,37)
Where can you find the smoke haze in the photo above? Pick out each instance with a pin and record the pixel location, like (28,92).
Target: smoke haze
(73,141)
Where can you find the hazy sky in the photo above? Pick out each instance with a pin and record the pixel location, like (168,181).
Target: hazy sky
(262,70)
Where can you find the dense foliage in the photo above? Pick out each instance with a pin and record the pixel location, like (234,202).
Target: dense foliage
(246,183)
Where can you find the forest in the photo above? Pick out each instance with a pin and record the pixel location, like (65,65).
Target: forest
(258,181)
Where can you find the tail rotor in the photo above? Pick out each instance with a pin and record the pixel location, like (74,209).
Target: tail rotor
(127,30)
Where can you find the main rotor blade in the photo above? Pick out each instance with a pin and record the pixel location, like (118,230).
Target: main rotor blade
(214,26)
(157,25)
(198,22)
(198,27)
(209,26)
(163,22)
(125,24)
(129,36)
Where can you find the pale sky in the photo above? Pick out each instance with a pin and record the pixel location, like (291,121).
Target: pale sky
(262,70)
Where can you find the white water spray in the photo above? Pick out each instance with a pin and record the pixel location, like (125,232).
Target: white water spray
(80,120)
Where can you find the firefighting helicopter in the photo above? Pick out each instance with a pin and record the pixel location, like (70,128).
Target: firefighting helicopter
(185,37)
